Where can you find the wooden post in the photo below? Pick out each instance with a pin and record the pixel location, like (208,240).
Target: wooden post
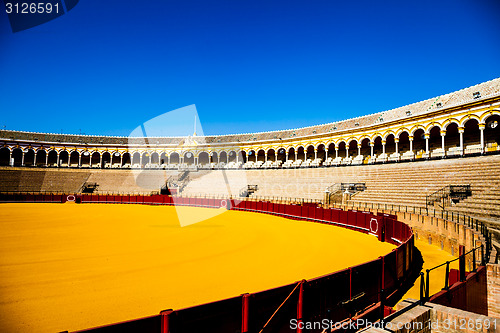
(165,320)
(245,313)
(300,307)
(461,262)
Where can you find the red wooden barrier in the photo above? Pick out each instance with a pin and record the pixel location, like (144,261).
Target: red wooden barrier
(300,306)
(400,262)
(165,321)
(283,209)
(469,295)
(318,213)
(343,217)
(307,300)
(245,313)
(335,214)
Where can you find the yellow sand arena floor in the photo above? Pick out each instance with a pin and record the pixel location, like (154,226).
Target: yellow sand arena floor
(69,266)
(433,256)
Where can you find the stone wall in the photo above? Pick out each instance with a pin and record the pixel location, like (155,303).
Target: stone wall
(493,282)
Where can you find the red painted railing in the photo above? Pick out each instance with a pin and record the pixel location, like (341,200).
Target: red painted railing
(355,292)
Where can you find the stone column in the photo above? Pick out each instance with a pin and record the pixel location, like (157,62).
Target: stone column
(443,134)
(461,131)
(481,130)
(427,136)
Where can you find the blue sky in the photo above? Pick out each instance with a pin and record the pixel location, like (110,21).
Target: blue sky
(106,67)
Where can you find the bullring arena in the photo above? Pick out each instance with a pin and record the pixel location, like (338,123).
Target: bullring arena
(249,232)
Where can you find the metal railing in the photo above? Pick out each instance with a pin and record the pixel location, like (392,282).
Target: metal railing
(334,193)
(461,219)
(447,194)
(425,286)
(248,190)
(177,181)
(89,187)
(333,188)
(352,187)
(183,175)
(277,199)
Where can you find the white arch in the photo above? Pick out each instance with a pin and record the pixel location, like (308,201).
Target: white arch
(468,117)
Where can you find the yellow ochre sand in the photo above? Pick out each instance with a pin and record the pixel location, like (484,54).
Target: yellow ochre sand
(70,267)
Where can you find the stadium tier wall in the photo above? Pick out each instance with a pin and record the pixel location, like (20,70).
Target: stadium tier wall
(461,123)
(406,184)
